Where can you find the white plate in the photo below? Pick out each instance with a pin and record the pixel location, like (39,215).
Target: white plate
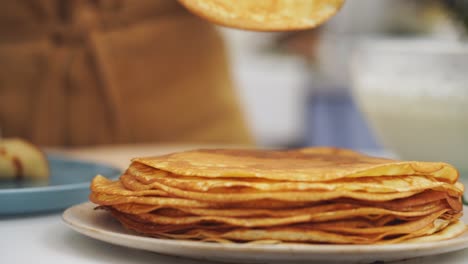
(100,225)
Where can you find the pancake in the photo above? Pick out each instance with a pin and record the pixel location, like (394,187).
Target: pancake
(226,234)
(249,221)
(146,176)
(320,211)
(265,15)
(308,165)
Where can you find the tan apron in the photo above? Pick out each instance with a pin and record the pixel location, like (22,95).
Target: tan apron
(76,73)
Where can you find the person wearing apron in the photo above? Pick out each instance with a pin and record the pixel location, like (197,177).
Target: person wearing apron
(80,73)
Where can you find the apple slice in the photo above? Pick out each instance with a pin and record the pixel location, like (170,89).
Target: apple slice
(20,159)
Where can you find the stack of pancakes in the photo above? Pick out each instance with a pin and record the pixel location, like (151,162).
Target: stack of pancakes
(311,195)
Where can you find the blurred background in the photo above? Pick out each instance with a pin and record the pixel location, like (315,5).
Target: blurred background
(84,73)
(296,87)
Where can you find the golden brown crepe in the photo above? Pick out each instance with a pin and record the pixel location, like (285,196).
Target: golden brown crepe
(311,195)
(308,165)
(20,159)
(265,15)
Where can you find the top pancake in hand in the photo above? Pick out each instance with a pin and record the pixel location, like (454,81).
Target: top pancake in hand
(265,15)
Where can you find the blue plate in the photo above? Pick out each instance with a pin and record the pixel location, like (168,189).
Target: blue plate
(68,185)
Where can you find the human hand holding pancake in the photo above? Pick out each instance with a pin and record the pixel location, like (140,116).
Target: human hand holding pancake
(311,195)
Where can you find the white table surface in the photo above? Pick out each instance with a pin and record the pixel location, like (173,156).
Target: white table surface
(44,238)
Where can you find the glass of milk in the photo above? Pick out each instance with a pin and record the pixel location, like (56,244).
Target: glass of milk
(414,94)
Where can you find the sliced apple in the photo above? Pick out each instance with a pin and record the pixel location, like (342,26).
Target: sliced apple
(19,159)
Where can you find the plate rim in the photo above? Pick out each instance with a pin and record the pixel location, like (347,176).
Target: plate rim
(459,242)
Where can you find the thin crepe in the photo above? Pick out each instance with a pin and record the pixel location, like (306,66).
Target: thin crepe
(308,165)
